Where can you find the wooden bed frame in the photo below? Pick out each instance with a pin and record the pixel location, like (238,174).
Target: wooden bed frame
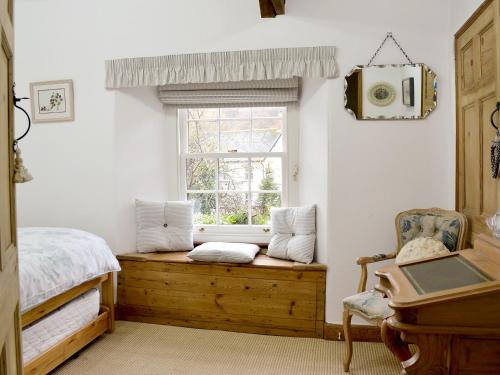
(105,322)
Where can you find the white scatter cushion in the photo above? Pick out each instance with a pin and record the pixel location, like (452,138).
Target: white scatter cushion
(294,233)
(164,226)
(224,252)
(297,220)
(420,248)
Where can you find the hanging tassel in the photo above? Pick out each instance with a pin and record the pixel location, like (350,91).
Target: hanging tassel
(21,174)
(495,155)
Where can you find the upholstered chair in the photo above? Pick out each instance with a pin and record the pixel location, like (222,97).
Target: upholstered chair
(449,227)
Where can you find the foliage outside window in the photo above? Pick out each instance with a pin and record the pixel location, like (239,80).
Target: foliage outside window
(232,163)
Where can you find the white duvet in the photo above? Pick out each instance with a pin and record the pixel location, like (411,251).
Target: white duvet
(54,260)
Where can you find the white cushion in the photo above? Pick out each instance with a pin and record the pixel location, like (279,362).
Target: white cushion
(420,248)
(164,226)
(224,252)
(371,304)
(294,233)
(297,220)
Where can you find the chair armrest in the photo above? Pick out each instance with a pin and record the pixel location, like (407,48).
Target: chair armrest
(364,261)
(375,258)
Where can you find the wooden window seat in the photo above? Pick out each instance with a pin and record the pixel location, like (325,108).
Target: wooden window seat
(268,296)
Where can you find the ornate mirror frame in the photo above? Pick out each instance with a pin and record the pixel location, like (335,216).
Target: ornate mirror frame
(354,97)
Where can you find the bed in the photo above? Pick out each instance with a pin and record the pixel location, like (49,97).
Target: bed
(61,271)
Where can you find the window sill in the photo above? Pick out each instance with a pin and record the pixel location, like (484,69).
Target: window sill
(244,234)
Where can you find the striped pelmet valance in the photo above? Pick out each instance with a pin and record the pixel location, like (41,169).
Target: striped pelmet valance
(231,66)
(251,93)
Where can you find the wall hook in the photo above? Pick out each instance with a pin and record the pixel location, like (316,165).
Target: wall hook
(17,100)
(497,108)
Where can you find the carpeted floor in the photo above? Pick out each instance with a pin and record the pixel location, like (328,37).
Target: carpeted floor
(148,349)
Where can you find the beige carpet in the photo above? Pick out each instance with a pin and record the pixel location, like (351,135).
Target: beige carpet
(138,348)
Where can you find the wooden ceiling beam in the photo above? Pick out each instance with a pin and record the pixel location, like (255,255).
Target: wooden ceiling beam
(271,8)
(266,9)
(279,6)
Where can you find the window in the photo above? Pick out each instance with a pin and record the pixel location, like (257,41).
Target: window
(232,165)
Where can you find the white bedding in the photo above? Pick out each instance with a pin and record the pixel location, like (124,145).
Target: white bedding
(54,260)
(61,323)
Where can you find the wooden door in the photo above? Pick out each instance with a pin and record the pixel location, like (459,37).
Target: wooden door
(10,354)
(477,70)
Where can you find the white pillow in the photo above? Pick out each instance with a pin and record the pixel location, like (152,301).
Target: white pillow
(164,226)
(419,248)
(294,233)
(224,252)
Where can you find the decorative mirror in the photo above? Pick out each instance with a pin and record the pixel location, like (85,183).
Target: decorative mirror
(390,92)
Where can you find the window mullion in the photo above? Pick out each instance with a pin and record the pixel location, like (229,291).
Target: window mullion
(217,187)
(217,215)
(251,129)
(218,132)
(250,178)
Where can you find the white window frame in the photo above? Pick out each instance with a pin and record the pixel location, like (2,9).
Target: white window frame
(252,233)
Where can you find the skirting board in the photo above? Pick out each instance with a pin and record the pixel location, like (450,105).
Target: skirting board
(360,332)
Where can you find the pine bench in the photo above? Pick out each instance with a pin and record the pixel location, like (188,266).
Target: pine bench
(267,296)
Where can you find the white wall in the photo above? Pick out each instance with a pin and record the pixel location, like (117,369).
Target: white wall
(121,145)
(461,11)
(313,154)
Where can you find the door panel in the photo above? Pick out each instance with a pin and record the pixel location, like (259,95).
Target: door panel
(471,154)
(10,353)
(477,55)
(487,49)
(467,64)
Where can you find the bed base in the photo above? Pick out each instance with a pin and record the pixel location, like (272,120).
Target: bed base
(105,322)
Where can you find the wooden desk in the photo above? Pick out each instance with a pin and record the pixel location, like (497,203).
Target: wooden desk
(456,330)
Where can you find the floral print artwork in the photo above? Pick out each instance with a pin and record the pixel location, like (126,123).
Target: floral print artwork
(52,101)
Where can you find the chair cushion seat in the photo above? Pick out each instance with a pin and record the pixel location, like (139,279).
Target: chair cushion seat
(371,303)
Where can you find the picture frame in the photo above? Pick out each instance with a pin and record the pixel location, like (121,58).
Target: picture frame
(409,92)
(52,101)
(381,94)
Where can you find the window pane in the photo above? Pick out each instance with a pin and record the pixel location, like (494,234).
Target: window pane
(239,113)
(204,207)
(235,135)
(267,135)
(233,174)
(203,114)
(261,207)
(266,173)
(202,136)
(268,112)
(233,208)
(200,174)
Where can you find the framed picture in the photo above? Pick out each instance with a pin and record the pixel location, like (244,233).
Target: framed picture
(52,101)
(408,92)
(381,94)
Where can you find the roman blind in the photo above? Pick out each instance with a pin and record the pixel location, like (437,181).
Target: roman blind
(216,67)
(261,92)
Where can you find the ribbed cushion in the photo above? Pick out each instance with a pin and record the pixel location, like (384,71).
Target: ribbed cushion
(294,233)
(164,226)
(370,303)
(224,252)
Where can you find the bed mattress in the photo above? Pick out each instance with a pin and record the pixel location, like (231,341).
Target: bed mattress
(61,323)
(54,260)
